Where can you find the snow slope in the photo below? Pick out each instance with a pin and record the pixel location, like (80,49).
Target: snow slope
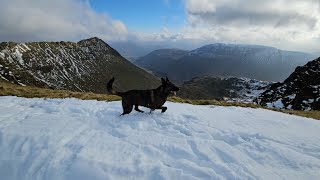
(75,139)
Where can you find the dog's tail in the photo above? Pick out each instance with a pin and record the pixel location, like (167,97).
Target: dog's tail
(110,89)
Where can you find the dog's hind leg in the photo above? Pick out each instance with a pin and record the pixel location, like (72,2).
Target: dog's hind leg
(137,108)
(163,109)
(127,110)
(127,107)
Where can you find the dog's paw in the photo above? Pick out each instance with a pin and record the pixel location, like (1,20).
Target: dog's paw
(164,109)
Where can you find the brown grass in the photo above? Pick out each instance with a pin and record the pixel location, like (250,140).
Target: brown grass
(211,102)
(308,114)
(9,89)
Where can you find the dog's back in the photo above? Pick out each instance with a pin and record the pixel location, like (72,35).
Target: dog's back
(138,97)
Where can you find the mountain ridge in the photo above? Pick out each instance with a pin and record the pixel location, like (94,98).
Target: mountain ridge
(86,65)
(219,59)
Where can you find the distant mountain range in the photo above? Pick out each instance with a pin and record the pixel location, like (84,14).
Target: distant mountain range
(83,66)
(209,72)
(164,62)
(251,61)
(300,91)
(136,49)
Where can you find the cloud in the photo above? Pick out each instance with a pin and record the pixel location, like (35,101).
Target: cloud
(286,24)
(274,13)
(40,20)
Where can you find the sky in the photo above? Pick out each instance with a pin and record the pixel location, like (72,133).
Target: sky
(285,24)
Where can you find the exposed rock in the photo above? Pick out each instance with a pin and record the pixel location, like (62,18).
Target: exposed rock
(300,91)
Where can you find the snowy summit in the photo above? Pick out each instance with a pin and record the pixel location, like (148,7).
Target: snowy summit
(75,139)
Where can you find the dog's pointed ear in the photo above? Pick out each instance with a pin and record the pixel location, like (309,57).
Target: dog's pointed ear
(163,81)
(167,79)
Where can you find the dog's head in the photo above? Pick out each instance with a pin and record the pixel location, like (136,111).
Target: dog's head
(169,87)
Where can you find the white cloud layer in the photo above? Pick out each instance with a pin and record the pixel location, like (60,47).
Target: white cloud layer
(40,20)
(287,24)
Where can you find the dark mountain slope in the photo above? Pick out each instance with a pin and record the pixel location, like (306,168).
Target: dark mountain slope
(162,61)
(251,61)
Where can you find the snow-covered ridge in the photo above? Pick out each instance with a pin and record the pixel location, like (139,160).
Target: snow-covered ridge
(81,66)
(7,75)
(52,64)
(75,139)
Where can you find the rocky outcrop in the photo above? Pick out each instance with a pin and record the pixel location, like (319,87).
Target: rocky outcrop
(300,91)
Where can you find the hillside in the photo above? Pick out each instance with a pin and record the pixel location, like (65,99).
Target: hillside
(83,66)
(223,88)
(251,61)
(162,61)
(300,91)
(75,139)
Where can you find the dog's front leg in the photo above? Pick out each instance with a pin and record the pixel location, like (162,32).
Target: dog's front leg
(137,109)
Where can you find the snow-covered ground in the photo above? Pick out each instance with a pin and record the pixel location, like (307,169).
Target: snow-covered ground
(74,139)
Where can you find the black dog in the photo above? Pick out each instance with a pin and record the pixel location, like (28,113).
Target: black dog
(150,98)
